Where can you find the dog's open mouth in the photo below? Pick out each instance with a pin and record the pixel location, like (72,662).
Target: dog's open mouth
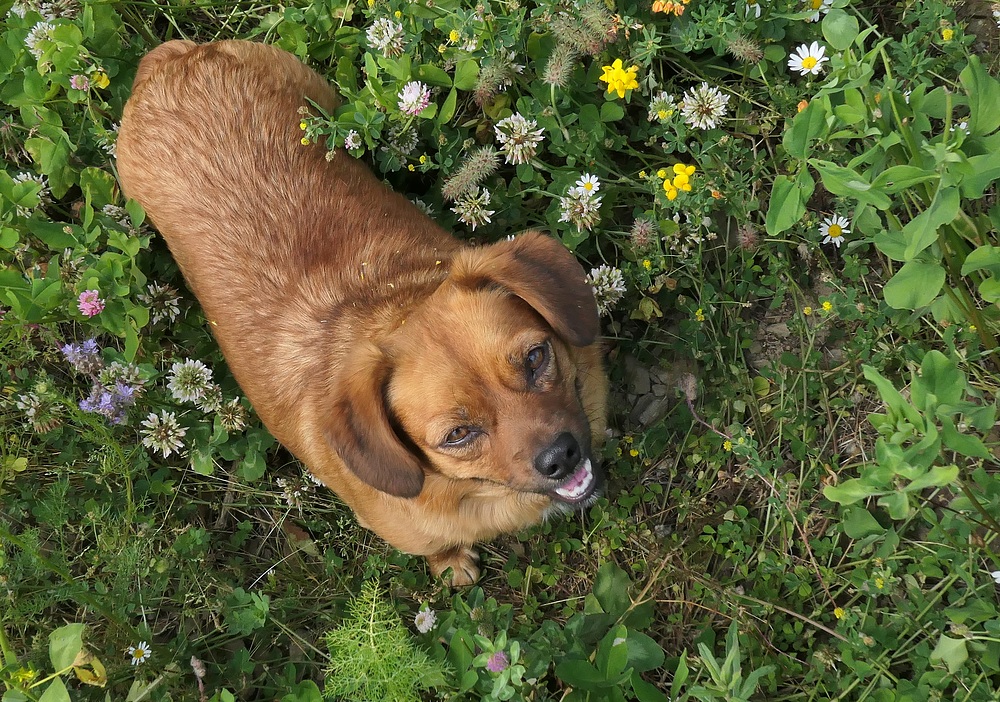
(579,486)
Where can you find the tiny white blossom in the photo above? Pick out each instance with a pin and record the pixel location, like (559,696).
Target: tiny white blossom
(386,36)
(819,7)
(414,97)
(996,576)
(37,34)
(471,208)
(139,653)
(703,106)
(352,141)
(609,287)
(189,380)
(162,433)
(518,137)
(425,620)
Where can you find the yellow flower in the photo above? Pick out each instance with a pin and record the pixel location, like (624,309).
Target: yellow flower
(803,104)
(880,583)
(100,79)
(699,315)
(947,34)
(454,36)
(681,169)
(411,168)
(839,612)
(371,3)
(304,141)
(619,79)
(302,126)
(647,264)
(629,439)
(827,306)
(423,158)
(807,310)
(633,453)
(642,175)
(662,173)
(398,14)
(670,190)
(727,445)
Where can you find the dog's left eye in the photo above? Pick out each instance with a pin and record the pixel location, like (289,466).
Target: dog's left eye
(536,360)
(459,436)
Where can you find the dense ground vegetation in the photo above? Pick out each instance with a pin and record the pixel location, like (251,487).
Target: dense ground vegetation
(788,210)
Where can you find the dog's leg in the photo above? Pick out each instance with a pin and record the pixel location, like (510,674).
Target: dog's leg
(463,561)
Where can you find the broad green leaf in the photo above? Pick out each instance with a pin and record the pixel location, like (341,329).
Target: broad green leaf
(897,504)
(952,652)
(805,128)
(65,644)
(922,230)
(938,476)
(989,290)
(55,692)
(447,108)
(466,74)
(611,586)
(940,376)
(897,404)
(580,673)
(840,29)
(612,653)
(897,178)
(432,75)
(788,201)
(849,491)
(646,692)
(914,286)
(984,97)
(643,652)
(611,112)
(984,170)
(985,256)
(847,182)
(858,522)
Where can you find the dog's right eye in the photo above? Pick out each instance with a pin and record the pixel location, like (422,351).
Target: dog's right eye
(459,436)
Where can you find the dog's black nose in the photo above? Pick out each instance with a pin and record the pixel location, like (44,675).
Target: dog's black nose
(558,460)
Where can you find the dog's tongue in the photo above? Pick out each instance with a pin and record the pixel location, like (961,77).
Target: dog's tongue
(578,484)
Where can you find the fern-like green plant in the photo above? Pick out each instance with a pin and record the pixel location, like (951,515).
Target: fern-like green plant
(373,657)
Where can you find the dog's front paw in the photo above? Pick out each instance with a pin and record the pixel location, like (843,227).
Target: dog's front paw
(463,561)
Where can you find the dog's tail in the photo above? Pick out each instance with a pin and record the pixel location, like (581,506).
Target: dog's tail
(161,54)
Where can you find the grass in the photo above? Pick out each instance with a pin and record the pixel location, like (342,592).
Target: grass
(804,489)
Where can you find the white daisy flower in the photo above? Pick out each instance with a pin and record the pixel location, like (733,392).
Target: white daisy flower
(139,653)
(819,7)
(808,59)
(833,230)
(587,185)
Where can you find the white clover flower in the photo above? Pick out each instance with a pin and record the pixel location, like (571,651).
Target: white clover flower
(662,107)
(162,301)
(819,7)
(414,97)
(425,620)
(752,7)
(581,207)
(352,141)
(39,180)
(609,287)
(37,34)
(808,59)
(996,576)
(386,36)
(233,415)
(162,433)
(518,138)
(471,208)
(833,230)
(703,106)
(139,653)
(189,380)
(108,140)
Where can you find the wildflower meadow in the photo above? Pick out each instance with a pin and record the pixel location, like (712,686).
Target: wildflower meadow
(788,211)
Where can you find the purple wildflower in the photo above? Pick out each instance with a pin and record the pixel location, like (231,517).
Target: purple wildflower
(498,662)
(85,358)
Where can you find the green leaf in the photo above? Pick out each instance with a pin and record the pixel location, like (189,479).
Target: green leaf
(848,492)
(984,97)
(858,523)
(98,186)
(985,256)
(952,652)
(611,112)
(646,692)
(447,108)
(611,586)
(581,674)
(53,234)
(55,692)
(788,201)
(915,285)
(989,290)
(897,504)
(680,677)
(466,74)
(984,169)
(643,652)
(840,29)
(805,128)
(897,178)
(847,182)
(922,230)
(940,377)
(65,644)
(432,75)
(938,476)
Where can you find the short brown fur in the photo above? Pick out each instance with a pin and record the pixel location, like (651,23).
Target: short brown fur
(359,329)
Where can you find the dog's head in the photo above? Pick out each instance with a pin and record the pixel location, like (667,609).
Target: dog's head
(480,382)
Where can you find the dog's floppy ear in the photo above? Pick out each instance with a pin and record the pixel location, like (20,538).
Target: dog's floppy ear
(543,273)
(361,429)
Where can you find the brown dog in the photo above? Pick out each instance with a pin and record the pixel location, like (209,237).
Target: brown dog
(447,393)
